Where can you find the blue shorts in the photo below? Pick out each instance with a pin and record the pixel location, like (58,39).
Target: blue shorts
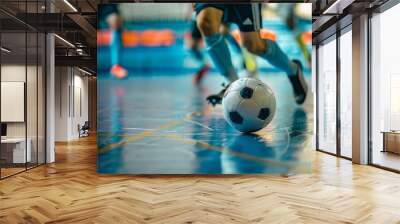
(246,16)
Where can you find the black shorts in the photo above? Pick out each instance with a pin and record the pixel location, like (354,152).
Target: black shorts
(246,16)
(195,32)
(104,10)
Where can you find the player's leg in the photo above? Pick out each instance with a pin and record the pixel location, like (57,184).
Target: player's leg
(287,11)
(225,31)
(208,21)
(114,22)
(270,50)
(249,62)
(195,48)
(195,41)
(249,25)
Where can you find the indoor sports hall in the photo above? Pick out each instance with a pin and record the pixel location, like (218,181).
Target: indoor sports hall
(157,119)
(107,112)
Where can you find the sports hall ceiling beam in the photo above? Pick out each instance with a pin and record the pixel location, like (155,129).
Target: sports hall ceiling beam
(337,7)
(49,22)
(321,22)
(79,61)
(86,27)
(74,13)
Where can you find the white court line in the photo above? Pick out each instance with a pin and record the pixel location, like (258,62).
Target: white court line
(146,129)
(198,123)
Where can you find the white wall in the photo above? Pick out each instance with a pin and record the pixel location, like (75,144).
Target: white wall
(61,103)
(80,105)
(13,101)
(71,94)
(14,73)
(33,127)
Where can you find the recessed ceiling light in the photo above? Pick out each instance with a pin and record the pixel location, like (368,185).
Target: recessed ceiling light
(84,71)
(5,50)
(337,7)
(70,5)
(64,40)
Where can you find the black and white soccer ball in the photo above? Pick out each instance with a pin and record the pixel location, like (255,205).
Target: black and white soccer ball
(249,104)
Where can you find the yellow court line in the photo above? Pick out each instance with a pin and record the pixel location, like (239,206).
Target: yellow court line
(190,141)
(207,146)
(144,134)
(138,136)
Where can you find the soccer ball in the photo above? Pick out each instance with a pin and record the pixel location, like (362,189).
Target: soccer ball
(249,105)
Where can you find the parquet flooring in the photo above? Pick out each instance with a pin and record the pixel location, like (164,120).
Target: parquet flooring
(70,191)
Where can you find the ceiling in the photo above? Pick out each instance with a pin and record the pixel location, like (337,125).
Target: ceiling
(331,15)
(76,24)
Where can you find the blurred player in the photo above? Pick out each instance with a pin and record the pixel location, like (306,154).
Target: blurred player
(293,13)
(110,14)
(248,18)
(195,45)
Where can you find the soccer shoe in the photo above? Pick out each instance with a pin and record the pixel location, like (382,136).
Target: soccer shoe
(217,98)
(200,74)
(299,84)
(118,71)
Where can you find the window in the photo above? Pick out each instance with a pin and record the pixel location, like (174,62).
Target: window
(22,88)
(346,93)
(327,96)
(385,89)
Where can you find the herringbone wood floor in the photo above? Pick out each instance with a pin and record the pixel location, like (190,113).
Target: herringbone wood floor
(70,191)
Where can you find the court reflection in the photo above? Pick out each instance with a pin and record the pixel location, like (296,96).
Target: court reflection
(175,131)
(264,152)
(112,130)
(298,135)
(207,161)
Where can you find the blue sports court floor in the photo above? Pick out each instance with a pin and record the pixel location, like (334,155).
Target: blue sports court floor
(158,122)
